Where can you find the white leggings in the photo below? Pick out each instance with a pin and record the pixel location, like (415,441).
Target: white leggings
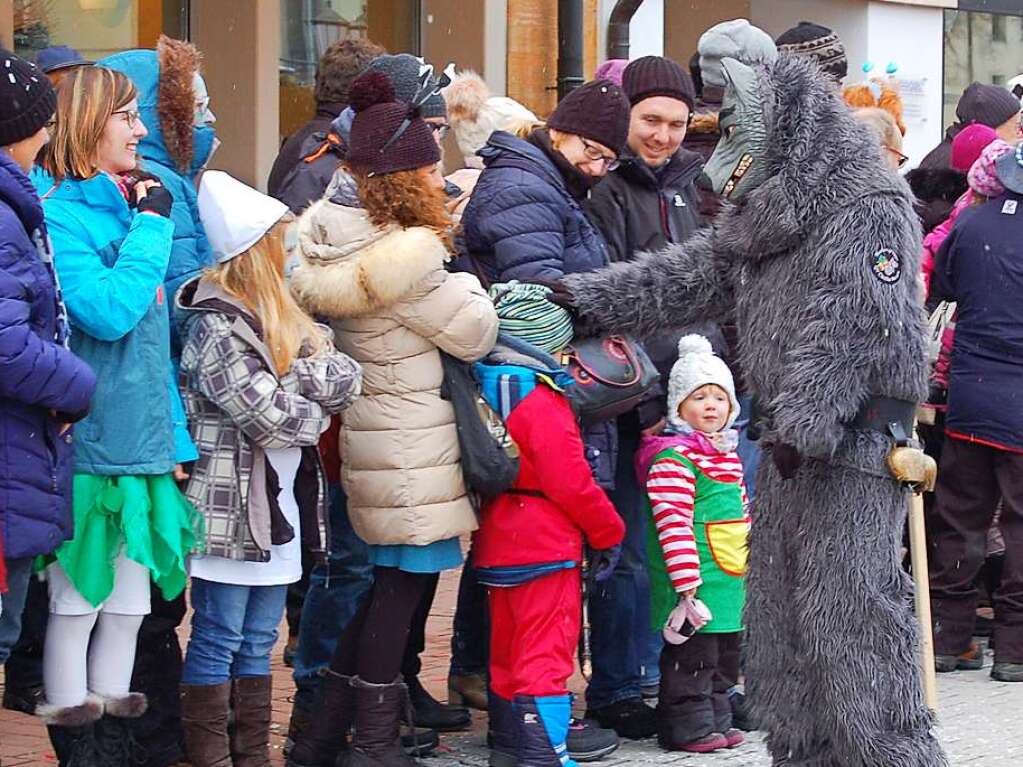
(94,651)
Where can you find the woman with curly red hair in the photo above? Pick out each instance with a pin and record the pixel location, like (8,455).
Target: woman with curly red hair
(378,272)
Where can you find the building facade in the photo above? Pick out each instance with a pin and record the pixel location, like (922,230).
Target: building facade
(260,55)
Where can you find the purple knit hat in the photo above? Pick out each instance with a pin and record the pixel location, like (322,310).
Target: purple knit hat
(612,70)
(968,144)
(387,136)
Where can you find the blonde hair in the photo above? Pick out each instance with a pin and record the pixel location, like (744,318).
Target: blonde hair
(256,278)
(86,99)
(883,124)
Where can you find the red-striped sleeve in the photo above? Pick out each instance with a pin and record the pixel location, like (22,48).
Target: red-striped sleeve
(671,486)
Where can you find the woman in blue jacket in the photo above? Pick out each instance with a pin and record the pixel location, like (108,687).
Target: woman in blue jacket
(112,239)
(180,139)
(43,385)
(174,106)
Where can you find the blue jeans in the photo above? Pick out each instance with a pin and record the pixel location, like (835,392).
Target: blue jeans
(19,572)
(336,589)
(748,450)
(620,640)
(234,629)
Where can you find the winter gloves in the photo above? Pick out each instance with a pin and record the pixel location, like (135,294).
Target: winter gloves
(689,616)
(157,200)
(603,562)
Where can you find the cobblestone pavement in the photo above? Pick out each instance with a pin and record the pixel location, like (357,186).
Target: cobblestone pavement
(980,721)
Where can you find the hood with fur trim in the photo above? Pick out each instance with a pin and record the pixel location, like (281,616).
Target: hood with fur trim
(351,268)
(164,78)
(474,114)
(817,159)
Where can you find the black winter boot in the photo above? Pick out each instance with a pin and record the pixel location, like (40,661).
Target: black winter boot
(502,734)
(376,742)
(542,726)
(116,744)
(72,732)
(324,736)
(428,712)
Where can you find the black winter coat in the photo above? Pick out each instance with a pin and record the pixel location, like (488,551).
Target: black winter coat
(637,209)
(292,180)
(980,266)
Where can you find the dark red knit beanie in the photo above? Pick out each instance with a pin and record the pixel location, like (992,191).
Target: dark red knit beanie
(597,110)
(374,146)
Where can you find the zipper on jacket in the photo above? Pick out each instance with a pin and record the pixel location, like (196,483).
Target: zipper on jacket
(665,228)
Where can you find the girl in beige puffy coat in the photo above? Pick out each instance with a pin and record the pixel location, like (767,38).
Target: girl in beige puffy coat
(375,266)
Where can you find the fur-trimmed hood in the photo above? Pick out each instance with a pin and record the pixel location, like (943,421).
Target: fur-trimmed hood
(351,268)
(818,157)
(164,79)
(474,114)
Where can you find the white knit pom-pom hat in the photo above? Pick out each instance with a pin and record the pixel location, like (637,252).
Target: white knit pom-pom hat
(698,366)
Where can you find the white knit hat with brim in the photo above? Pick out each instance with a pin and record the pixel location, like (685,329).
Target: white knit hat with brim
(234,215)
(698,366)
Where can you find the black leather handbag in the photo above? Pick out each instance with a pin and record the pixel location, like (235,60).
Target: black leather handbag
(612,375)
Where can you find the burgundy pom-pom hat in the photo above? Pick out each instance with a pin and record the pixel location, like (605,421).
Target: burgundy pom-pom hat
(388,135)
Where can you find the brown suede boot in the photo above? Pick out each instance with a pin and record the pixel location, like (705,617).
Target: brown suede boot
(204,713)
(250,735)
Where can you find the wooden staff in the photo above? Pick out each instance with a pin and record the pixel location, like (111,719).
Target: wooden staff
(922,596)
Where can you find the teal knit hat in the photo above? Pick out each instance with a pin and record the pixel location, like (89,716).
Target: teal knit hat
(524,312)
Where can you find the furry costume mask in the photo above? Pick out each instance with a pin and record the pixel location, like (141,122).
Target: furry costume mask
(737,165)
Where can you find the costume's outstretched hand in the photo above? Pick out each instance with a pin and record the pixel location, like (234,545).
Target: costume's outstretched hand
(560,295)
(787,459)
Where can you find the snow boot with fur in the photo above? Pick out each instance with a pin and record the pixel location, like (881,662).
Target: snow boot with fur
(116,743)
(72,732)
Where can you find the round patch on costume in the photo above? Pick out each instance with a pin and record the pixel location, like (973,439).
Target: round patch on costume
(886,266)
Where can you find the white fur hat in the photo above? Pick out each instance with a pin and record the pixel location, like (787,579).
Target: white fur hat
(474,114)
(234,215)
(698,366)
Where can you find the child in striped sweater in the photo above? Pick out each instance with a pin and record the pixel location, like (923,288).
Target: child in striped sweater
(697,551)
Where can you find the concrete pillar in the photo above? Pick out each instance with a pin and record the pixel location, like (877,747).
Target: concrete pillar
(240,42)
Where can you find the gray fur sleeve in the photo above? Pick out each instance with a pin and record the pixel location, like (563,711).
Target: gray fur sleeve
(862,329)
(676,286)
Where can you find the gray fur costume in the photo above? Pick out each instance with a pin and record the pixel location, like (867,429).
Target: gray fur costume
(817,263)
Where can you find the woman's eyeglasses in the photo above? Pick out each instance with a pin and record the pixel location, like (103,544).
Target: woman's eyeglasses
(903,159)
(441,129)
(131,116)
(593,153)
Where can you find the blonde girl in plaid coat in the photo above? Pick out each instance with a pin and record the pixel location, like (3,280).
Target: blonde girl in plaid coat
(260,381)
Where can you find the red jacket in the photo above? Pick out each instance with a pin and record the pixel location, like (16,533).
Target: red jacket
(548,526)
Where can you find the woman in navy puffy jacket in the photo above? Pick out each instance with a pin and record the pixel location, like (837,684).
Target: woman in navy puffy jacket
(43,386)
(524,220)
